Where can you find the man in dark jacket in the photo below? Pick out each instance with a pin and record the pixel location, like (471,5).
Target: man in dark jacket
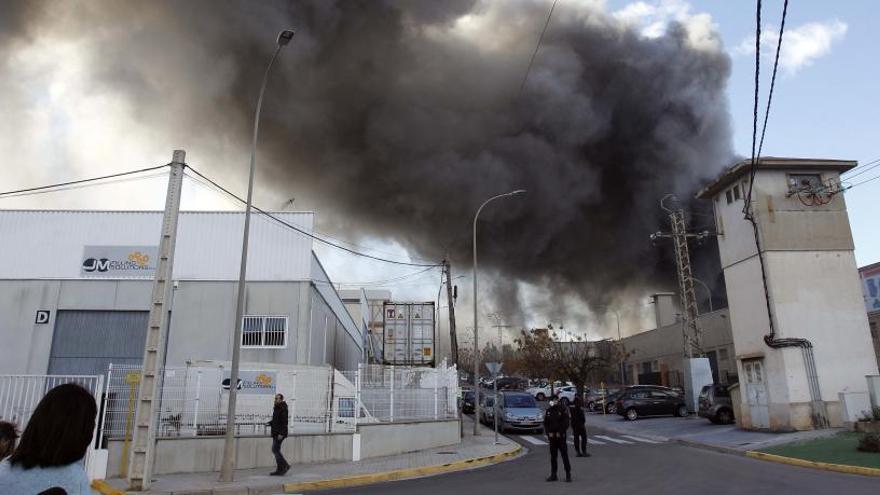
(579,427)
(556,424)
(279,433)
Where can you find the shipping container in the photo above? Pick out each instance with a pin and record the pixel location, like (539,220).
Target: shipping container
(408,335)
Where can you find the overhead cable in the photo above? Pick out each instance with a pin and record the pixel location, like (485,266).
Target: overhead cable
(81,181)
(309,234)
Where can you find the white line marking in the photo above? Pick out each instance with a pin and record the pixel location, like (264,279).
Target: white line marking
(615,440)
(638,439)
(591,441)
(534,441)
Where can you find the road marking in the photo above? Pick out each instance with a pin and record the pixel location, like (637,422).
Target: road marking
(638,439)
(615,440)
(591,441)
(534,441)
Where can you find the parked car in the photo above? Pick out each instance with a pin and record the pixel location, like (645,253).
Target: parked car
(467,402)
(511,383)
(715,404)
(635,402)
(540,392)
(595,398)
(566,394)
(519,411)
(487,409)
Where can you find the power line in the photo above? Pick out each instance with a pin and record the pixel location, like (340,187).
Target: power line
(81,181)
(862,182)
(85,185)
(863,168)
(309,234)
(381,282)
(537,47)
(754,164)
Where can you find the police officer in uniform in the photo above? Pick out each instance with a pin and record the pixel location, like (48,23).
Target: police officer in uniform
(556,423)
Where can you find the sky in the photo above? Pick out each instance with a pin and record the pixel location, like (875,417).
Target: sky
(823,106)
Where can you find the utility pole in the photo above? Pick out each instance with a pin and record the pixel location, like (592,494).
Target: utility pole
(691,334)
(450,300)
(141,466)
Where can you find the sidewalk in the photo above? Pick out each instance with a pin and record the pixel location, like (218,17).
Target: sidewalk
(470,453)
(700,432)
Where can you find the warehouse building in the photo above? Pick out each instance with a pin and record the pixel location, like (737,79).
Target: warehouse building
(75,290)
(655,356)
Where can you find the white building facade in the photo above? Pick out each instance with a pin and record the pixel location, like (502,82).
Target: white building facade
(75,291)
(813,292)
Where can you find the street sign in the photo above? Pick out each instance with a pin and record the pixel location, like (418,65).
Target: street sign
(494,368)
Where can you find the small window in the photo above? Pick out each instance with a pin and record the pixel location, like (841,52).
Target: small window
(264,332)
(736,194)
(729,197)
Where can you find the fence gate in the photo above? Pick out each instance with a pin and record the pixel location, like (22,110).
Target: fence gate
(20,394)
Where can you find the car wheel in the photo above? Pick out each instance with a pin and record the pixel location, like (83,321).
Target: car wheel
(591,406)
(681,411)
(632,414)
(540,396)
(612,409)
(724,416)
(564,402)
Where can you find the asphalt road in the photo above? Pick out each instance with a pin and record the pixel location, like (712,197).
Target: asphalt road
(628,468)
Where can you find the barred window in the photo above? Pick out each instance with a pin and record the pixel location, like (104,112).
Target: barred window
(264,331)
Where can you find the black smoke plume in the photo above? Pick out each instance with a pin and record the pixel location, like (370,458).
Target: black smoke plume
(401,117)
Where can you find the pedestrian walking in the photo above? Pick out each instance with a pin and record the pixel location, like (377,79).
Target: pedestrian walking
(579,427)
(8,434)
(556,425)
(49,455)
(279,433)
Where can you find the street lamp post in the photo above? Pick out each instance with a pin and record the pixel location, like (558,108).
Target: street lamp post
(228,466)
(476,313)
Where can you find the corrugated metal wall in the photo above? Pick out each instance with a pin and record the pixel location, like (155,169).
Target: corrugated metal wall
(86,342)
(49,244)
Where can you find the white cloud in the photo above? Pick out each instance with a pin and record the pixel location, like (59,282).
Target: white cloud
(801,46)
(653,18)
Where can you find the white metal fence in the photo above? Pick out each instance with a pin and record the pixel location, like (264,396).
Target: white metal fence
(193,399)
(20,394)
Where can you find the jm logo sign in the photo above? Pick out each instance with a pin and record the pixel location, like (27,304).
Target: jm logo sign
(42,317)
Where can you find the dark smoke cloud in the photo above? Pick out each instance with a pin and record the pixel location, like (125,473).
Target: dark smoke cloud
(387,114)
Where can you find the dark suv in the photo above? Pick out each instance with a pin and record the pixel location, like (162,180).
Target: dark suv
(715,404)
(635,402)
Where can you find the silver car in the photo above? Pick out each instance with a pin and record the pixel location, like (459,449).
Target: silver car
(519,411)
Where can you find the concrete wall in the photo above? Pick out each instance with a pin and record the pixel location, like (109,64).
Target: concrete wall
(398,438)
(203,454)
(814,289)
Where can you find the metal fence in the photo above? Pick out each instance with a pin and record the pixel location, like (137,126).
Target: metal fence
(193,399)
(393,393)
(20,394)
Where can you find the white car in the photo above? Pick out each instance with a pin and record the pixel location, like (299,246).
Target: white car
(566,394)
(540,393)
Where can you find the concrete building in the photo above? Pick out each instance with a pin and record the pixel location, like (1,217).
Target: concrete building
(813,292)
(655,356)
(870,276)
(75,291)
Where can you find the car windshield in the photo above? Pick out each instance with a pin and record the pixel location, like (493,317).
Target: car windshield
(519,401)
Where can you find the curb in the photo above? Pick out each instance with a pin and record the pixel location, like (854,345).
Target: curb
(824,466)
(104,488)
(366,479)
(708,446)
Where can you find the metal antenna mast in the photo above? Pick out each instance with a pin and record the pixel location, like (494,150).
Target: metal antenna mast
(692,336)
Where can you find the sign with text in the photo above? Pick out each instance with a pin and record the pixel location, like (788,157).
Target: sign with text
(119,261)
(253,382)
(42,317)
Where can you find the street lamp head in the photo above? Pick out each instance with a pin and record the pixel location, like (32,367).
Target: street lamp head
(284,37)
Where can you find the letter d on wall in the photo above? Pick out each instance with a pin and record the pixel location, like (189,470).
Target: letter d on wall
(42,317)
